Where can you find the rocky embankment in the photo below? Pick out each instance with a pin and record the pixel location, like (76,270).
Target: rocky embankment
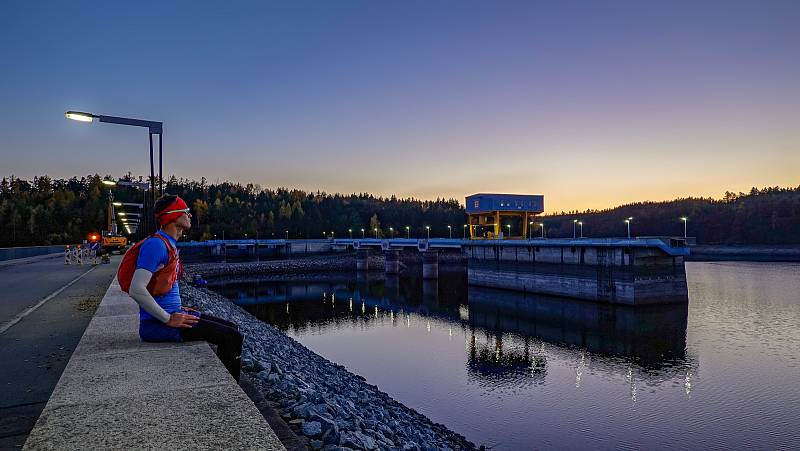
(334,408)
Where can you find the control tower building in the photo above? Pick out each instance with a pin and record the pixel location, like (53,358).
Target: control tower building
(493,215)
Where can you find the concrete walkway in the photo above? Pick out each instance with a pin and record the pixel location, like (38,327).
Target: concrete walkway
(117,392)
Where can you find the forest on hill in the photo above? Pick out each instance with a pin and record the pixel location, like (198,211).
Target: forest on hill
(61,211)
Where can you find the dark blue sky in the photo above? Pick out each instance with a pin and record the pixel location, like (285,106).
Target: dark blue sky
(590,103)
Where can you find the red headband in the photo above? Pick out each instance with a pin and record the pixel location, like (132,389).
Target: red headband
(165,218)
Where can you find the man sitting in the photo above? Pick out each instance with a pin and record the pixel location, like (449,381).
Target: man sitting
(155,288)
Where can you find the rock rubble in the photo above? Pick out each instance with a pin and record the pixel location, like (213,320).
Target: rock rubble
(333,407)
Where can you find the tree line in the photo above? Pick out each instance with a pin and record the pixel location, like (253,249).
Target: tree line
(61,211)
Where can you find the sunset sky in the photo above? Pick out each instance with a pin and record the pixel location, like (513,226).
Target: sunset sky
(593,104)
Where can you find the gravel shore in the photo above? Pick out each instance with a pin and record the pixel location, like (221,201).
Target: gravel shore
(332,407)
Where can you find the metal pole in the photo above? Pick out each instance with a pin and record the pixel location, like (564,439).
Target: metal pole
(152,181)
(573,229)
(160,165)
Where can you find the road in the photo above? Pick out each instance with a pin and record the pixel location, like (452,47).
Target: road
(36,348)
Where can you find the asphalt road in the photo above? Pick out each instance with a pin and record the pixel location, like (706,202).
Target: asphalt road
(35,350)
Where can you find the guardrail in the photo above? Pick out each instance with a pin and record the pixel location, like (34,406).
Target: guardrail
(13,253)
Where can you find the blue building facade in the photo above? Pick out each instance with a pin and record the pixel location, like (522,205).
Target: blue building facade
(491,202)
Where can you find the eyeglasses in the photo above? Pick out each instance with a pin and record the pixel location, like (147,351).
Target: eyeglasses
(185,210)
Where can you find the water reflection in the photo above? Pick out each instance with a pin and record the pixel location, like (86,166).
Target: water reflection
(508,336)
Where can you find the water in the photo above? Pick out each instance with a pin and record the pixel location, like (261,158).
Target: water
(524,372)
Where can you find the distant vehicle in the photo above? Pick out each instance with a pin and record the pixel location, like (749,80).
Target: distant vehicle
(111,243)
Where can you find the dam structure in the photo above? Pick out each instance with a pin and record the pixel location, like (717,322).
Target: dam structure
(645,270)
(629,271)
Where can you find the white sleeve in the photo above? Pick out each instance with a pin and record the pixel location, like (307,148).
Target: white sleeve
(139,293)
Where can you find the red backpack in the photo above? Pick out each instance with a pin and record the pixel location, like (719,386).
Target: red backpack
(162,280)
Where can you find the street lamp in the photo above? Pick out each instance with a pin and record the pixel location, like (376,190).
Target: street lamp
(391,231)
(580,223)
(351,233)
(574,221)
(408,232)
(685,221)
(376,233)
(542,226)
(450,231)
(465,231)
(154,128)
(428,229)
(287,235)
(508,227)
(362,234)
(530,230)
(628,222)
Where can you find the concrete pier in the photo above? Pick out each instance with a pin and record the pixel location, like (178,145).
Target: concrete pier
(362,260)
(392,262)
(430,265)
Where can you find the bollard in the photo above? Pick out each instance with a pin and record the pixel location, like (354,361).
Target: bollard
(392,262)
(362,260)
(430,265)
(67,254)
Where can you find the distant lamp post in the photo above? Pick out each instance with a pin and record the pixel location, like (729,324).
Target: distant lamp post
(391,231)
(574,221)
(580,223)
(508,227)
(362,234)
(287,235)
(465,231)
(376,233)
(450,231)
(628,222)
(351,233)
(333,234)
(408,232)
(685,221)
(154,128)
(530,230)
(428,229)
(541,224)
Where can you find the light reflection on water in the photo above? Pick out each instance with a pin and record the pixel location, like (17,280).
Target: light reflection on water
(524,372)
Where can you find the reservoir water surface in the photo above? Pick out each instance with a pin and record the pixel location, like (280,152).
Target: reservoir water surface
(516,371)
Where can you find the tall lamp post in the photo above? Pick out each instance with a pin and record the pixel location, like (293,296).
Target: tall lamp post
(685,220)
(362,234)
(450,231)
(351,233)
(628,222)
(391,231)
(530,230)
(465,231)
(580,223)
(428,229)
(574,221)
(154,128)
(408,232)
(508,227)
(541,224)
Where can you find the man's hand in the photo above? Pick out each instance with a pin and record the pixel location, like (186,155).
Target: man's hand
(181,320)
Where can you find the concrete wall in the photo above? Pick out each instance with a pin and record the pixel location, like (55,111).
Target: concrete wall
(12,253)
(120,393)
(591,283)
